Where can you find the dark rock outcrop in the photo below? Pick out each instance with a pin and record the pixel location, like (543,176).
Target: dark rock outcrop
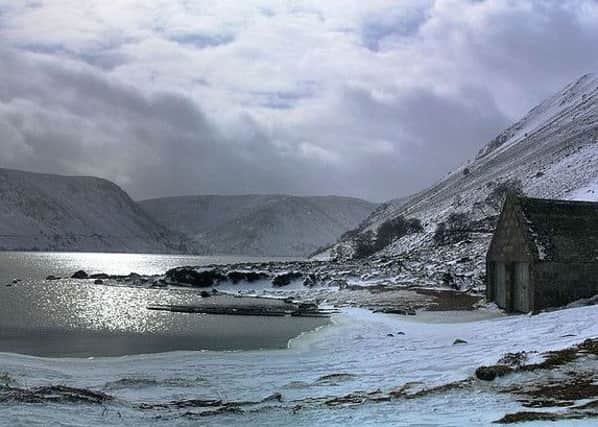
(276,396)
(102,276)
(246,276)
(489,373)
(311,280)
(285,279)
(80,275)
(195,277)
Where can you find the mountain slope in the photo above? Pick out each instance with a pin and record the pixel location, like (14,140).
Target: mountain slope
(553,151)
(274,225)
(68,213)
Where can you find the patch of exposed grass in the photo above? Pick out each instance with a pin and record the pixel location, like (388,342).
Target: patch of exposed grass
(54,393)
(6,380)
(526,416)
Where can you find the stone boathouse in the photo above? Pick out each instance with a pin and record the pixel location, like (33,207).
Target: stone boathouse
(544,253)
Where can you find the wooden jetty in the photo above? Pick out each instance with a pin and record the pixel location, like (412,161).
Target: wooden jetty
(300,310)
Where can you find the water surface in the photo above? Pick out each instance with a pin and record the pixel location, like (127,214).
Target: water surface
(78,318)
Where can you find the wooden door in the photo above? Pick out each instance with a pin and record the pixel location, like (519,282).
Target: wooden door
(500,284)
(521,287)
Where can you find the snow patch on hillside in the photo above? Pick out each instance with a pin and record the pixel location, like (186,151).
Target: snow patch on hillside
(588,192)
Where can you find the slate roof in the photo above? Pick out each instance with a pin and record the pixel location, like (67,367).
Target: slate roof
(562,230)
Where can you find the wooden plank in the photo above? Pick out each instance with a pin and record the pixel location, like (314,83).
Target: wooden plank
(500,284)
(521,288)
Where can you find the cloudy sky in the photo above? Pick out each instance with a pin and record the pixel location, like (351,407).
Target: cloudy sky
(374,98)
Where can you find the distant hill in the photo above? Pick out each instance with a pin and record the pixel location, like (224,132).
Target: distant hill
(73,213)
(261,225)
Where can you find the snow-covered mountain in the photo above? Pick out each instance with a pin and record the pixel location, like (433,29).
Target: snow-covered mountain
(273,225)
(72,213)
(553,151)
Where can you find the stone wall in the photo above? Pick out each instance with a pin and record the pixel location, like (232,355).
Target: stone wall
(558,284)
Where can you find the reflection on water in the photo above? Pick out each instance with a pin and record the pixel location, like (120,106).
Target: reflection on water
(70,317)
(87,306)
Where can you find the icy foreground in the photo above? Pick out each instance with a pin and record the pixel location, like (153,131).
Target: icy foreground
(354,356)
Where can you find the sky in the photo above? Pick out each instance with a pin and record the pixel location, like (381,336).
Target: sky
(375,99)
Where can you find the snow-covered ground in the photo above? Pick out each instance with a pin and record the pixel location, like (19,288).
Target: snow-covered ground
(355,353)
(588,192)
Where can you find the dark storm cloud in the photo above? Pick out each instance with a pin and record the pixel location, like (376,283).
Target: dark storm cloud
(540,47)
(391,148)
(74,121)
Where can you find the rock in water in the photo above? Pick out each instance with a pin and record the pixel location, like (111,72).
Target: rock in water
(80,275)
(102,276)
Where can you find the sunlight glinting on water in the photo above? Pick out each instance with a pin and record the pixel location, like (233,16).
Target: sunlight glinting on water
(109,309)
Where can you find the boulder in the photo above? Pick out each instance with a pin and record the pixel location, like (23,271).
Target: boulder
(247,276)
(52,277)
(459,341)
(80,275)
(311,280)
(276,396)
(284,279)
(98,282)
(195,277)
(102,276)
(489,373)
(340,283)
